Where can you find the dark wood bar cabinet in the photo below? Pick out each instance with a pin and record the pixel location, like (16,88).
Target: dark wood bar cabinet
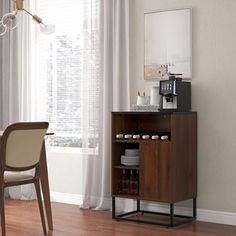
(167,170)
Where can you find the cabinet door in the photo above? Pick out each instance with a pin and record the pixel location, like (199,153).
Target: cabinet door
(155,173)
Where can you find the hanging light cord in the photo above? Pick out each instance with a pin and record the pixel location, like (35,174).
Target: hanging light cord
(28,12)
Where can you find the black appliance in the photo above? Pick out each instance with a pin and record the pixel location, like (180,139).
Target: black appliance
(175,95)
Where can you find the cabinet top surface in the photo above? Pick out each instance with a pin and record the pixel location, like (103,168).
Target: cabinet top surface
(150,113)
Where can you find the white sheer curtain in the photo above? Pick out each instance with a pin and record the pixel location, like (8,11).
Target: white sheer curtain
(32,81)
(97,32)
(15,77)
(114,95)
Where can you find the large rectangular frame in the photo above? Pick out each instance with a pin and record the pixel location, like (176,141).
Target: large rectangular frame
(172,53)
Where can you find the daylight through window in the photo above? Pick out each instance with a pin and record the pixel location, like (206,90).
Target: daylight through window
(68,72)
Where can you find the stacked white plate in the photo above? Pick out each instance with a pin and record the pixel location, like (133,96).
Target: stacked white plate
(131,152)
(131,157)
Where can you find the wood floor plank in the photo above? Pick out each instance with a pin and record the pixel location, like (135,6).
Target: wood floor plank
(22,219)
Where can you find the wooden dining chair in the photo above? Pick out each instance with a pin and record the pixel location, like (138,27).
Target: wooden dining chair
(20,150)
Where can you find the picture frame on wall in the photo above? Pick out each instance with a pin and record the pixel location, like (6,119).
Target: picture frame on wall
(168,44)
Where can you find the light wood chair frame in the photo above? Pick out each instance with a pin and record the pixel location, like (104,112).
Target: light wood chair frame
(3,167)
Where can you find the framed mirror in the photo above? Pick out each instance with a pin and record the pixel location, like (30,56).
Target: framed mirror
(168,44)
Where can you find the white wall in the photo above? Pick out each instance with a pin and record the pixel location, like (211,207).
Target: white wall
(213,90)
(65,172)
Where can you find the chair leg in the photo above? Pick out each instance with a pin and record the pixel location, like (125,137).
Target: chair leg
(2,213)
(37,188)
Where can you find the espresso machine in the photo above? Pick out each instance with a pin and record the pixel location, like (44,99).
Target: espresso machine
(175,96)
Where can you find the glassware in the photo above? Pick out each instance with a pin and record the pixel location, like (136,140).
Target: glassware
(3,28)
(10,20)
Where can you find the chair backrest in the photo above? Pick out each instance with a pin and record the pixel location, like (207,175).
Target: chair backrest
(21,145)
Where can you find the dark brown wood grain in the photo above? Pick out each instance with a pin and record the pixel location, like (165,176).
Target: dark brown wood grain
(43,170)
(165,166)
(168,170)
(148,171)
(155,167)
(184,153)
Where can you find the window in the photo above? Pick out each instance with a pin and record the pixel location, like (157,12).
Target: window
(68,72)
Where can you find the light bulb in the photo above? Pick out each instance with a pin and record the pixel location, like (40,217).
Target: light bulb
(47,28)
(10,20)
(3,28)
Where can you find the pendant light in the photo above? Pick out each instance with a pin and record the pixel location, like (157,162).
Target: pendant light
(10,21)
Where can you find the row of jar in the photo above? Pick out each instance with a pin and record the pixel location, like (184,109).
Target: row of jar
(143,135)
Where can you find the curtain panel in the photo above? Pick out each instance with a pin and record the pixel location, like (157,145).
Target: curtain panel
(15,81)
(114,96)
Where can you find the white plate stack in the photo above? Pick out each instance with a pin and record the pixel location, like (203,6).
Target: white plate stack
(131,157)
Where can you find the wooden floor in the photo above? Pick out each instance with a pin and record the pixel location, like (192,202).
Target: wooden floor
(22,219)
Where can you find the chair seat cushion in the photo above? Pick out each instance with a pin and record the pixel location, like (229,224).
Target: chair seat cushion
(10,176)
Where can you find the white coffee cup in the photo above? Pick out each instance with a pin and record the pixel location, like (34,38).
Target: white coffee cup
(143,100)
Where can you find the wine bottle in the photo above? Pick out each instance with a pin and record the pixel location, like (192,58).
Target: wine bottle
(119,136)
(164,137)
(145,135)
(136,182)
(154,136)
(136,136)
(133,183)
(128,135)
(125,183)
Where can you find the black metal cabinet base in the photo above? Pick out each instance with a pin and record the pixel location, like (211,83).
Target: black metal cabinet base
(181,218)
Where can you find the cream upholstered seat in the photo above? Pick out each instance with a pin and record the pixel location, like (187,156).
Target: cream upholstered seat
(10,176)
(20,150)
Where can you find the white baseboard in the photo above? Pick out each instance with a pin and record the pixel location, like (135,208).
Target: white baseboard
(68,198)
(220,217)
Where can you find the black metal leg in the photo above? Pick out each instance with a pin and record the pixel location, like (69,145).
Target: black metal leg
(113,207)
(194,208)
(138,205)
(171,214)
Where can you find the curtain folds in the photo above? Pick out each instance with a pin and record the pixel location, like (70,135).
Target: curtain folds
(18,81)
(14,83)
(9,76)
(114,95)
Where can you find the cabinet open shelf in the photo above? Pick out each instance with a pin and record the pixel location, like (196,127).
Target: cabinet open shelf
(139,141)
(129,196)
(126,167)
(167,170)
